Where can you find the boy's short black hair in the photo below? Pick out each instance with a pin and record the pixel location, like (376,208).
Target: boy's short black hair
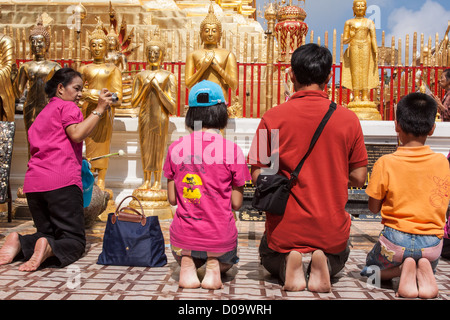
(416,113)
(311,64)
(212,117)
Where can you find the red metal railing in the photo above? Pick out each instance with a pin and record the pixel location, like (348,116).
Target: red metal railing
(251,91)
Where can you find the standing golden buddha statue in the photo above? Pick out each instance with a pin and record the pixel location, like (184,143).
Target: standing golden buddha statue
(212,62)
(96,76)
(34,74)
(155,92)
(360,68)
(7,60)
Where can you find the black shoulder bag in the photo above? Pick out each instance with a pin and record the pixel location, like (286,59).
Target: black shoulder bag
(272,191)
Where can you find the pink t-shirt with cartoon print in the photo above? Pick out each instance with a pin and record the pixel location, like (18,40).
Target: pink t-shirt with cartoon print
(205,167)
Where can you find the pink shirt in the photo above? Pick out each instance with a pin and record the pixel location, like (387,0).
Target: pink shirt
(205,167)
(55,159)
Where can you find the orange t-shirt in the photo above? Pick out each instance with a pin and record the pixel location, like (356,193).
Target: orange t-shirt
(415,183)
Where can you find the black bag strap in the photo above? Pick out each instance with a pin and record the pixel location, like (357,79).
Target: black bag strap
(316,135)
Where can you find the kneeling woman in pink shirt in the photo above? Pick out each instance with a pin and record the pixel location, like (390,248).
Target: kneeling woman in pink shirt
(53,183)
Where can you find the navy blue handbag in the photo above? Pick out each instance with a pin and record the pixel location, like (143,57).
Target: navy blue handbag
(132,239)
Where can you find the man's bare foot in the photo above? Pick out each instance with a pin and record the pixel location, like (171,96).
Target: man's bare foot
(295,278)
(407,287)
(319,277)
(10,248)
(426,281)
(42,251)
(212,279)
(188,274)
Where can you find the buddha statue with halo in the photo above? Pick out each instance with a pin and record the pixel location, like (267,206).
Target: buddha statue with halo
(155,93)
(212,62)
(96,76)
(360,70)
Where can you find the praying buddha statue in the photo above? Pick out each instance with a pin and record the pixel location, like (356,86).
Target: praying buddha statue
(96,76)
(360,69)
(155,93)
(7,60)
(212,62)
(34,74)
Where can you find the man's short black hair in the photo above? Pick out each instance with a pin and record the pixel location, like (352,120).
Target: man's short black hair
(212,117)
(311,64)
(416,113)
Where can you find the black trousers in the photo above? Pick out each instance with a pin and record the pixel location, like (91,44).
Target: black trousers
(59,217)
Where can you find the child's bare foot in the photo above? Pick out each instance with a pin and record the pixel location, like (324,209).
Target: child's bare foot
(212,279)
(42,251)
(426,281)
(188,274)
(10,248)
(407,287)
(295,278)
(319,277)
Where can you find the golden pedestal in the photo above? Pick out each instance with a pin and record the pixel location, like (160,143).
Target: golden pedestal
(110,207)
(154,202)
(365,110)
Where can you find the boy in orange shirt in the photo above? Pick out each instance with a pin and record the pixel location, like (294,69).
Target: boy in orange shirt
(411,188)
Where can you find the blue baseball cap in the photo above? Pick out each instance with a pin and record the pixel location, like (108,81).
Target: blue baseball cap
(206,93)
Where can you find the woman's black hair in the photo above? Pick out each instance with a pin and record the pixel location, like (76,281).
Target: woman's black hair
(63,76)
(212,117)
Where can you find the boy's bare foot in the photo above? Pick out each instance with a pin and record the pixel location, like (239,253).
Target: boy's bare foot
(295,278)
(212,279)
(426,281)
(42,251)
(319,277)
(407,287)
(10,248)
(188,274)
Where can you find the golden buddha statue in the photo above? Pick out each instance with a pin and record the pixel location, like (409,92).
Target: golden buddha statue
(34,74)
(113,54)
(119,48)
(96,76)
(155,92)
(211,62)
(360,69)
(7,60)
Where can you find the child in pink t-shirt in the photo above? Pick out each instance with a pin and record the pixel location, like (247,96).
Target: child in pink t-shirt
(206,175)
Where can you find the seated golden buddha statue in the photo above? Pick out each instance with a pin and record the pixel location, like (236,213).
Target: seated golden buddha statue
(360,69)
(212,62)
(155,93)
(96,76)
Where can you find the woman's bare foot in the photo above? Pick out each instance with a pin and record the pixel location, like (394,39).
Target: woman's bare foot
(407,287)
(10,248)
(212,279)
(426,281)
(42,251)
(295,278)
(188,274)
(319,277)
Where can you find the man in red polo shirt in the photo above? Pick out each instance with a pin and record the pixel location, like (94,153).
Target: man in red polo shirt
(315,220)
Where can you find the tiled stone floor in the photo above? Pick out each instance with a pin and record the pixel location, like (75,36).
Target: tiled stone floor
(248,280)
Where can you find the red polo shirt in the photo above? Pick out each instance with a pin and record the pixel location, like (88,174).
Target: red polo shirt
(315,216)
